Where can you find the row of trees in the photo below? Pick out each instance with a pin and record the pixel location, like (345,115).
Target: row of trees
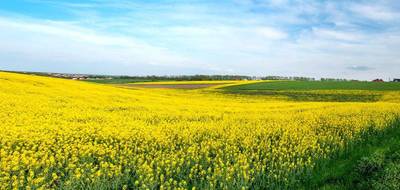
(287,78)
(181,77)
(186,77)
(221,77)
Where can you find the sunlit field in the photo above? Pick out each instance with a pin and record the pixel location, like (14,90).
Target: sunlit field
(64,134)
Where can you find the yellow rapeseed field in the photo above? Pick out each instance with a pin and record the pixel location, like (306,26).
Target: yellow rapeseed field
(57,133)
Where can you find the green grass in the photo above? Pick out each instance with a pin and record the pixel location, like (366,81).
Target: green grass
(316,85)
(371,164)
(316,96)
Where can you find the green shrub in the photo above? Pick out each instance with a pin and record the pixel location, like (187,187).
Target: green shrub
(390,178)
(367,167)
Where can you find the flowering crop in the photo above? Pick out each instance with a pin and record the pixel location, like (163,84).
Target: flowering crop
(57,133)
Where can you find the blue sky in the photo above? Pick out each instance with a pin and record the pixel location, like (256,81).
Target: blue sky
(341,39)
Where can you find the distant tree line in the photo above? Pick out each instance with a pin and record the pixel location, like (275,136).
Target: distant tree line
(294,78)
(178,77)
(223,77)
(288,78)
(185,77)
(334,79)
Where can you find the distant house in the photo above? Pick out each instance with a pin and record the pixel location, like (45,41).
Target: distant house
(396,80)
(378,80)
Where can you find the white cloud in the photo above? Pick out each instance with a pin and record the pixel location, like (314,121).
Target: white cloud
(271,33)
(64,44)
(338,35)
(257,38)
(375,12)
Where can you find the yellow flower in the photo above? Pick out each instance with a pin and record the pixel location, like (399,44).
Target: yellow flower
(77,134)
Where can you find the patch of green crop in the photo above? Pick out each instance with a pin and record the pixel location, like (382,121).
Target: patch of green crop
(371,164)
(316,85)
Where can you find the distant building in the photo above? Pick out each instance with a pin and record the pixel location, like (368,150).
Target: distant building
(378,80)
(396,80)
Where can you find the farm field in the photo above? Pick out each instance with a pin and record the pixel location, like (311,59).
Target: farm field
(64,134)
(179,84)
(319,85)
(327,91)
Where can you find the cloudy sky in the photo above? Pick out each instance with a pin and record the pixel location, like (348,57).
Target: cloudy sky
(341,39)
